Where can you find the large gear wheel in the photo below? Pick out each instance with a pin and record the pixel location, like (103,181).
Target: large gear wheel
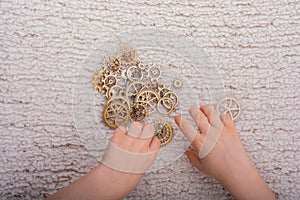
(133,89)
(148,98)
(163,131)
(127,54)
(119,98)
(116,114)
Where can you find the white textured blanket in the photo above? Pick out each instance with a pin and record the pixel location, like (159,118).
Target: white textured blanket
(43,45)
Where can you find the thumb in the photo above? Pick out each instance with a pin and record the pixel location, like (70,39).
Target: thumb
(194,159)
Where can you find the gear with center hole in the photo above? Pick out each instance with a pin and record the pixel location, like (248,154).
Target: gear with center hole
(110,80)
(163,131)
(113,63)
(231,106)
(97,80)
(153,72)
(148,98)
(133,73)
(177,83)
(127,54)
(138,112)
(133,89)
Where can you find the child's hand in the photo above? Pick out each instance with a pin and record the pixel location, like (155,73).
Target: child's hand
(116,181)
(227,161)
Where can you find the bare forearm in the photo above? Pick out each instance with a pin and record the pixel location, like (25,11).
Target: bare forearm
(249,185)
(100,183)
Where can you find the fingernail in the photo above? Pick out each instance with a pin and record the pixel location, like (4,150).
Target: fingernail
(194,111)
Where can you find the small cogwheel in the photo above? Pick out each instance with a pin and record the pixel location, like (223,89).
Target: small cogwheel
(163,131)
(112,63)
(154,72)
(127,54)
(138,112)
(140,65)
(97,80)
(109,81)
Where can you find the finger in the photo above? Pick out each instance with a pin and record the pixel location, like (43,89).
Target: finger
(135,129)
(197,142)
(186,127)
(227,120)
(200,120)
(211,115)
(194,159)
(147,132)
(154,144)
(118,135)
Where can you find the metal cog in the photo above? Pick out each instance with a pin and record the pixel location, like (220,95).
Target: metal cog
(177,83)
(97,80)
(163,131)
(112,63)
(133,89)
(148,98)
(134,73)
(127,54)
(109,80)
(229,105)
(154,72)
(115,114)
(138,112)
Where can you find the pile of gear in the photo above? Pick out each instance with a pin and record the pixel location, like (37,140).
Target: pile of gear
(133,91)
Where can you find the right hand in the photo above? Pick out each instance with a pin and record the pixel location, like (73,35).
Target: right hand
(228,161)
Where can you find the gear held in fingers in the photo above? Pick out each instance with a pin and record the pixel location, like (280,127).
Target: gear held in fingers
(163,131)
(231,106)
(116,114)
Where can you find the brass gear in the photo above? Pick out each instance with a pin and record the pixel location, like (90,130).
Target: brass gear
(148,98)
(138,112)
(97,80)
(109,80)
(133,89)
(115,114)
(127,54)
(163,131)
(113,63)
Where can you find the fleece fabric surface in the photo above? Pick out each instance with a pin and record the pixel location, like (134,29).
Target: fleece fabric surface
(254,43)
